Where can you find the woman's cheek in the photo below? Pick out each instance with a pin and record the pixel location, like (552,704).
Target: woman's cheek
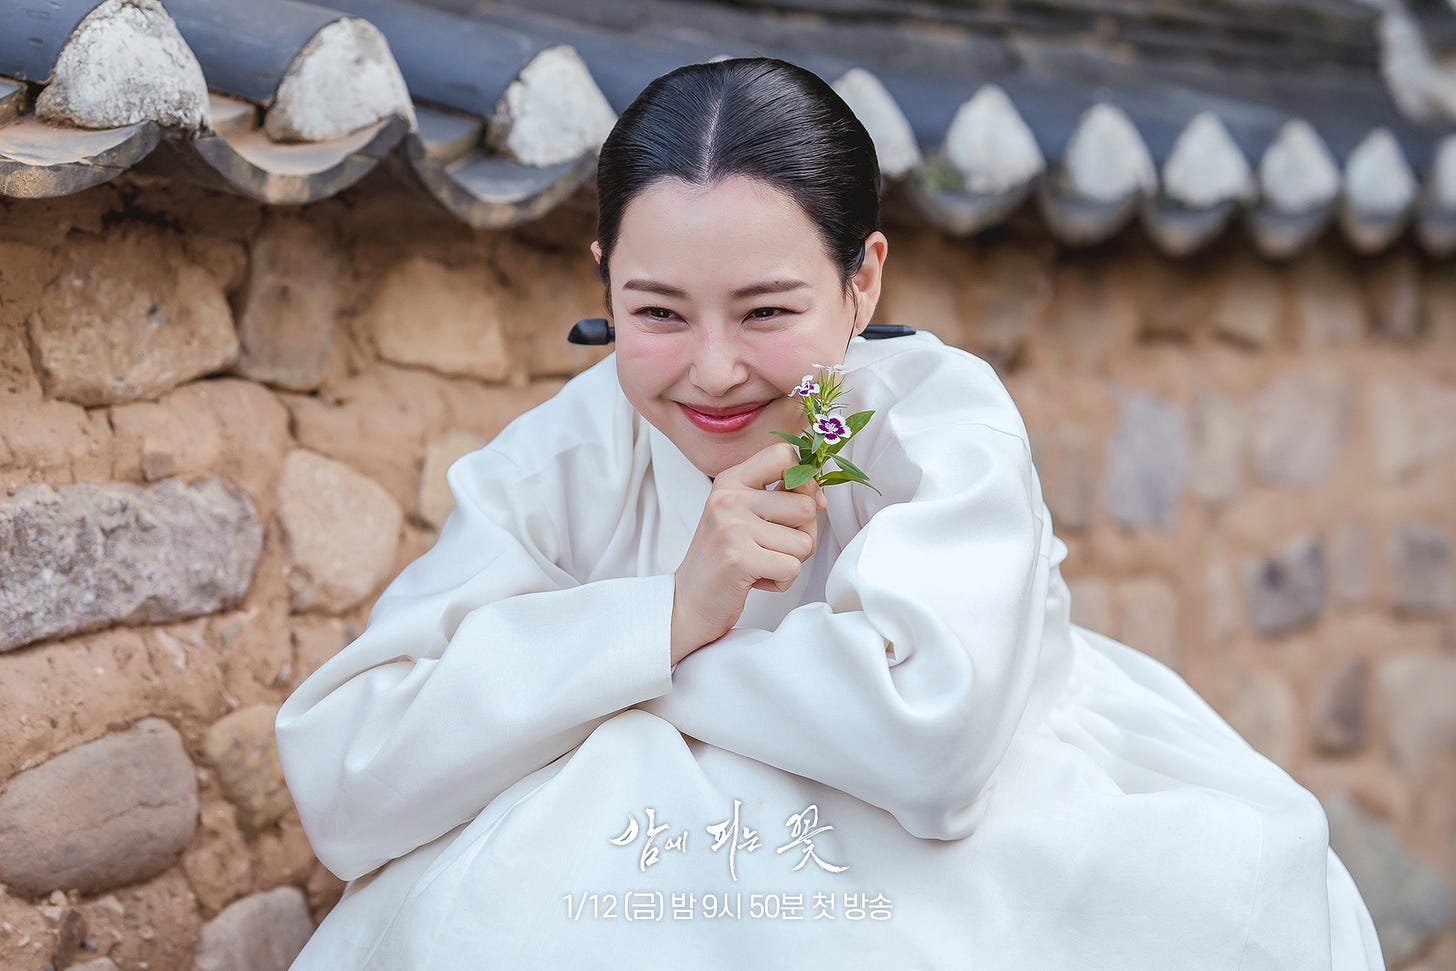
(650,366)
(788,357)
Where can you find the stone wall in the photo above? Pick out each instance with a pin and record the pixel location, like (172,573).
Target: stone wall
(224,428)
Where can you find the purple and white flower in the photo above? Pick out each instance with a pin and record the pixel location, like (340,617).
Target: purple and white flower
(832,428)
(806,387)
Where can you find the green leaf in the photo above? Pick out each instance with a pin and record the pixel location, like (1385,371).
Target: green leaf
(798,475)
(851,468)
(798,440)
(834,478)
(858,420)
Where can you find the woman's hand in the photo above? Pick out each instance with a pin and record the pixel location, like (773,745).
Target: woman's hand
(748,538)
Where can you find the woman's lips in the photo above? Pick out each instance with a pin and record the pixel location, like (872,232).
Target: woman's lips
(729,424)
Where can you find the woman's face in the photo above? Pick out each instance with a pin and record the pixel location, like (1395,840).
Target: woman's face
(724,298)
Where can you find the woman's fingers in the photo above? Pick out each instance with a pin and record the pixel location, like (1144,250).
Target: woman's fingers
(766,465)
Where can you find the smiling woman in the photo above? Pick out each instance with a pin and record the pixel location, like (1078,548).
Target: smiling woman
(586,727)
(709,365)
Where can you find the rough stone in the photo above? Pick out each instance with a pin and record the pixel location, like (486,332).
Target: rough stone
(1416,691)
(918,296)
(263,932)
(164,440)
(1092,604)
(1438,299)
(428,315)
(1325,300)
(240,747)
(340,532)
(70,929)
(1341,721)
(288,307)
(1149,609)
(420,405)
(224,426)
(1412,425)
(128,316)
(1408,901)
(1250,306)
(283,854)
(1009,295)
(1220,603)
(218,862)
(1217,424)
(106,813)
(1419,558)
(1069,483)
(152,925)
(84,556)
(22,927)
(1350,556)
(1176,296)
(539,298)
(436,500)
(52,442)
(324,891)
(1093,315)
(1147,461)
(1393,296)
(1286,590)
(1299,426)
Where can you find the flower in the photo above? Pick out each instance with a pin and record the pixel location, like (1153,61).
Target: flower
(827,431)
(833,429)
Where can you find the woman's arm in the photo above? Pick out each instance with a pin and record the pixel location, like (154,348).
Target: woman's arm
(952,574)
(481,662)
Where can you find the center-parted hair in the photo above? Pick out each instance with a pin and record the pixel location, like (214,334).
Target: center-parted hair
(760,117)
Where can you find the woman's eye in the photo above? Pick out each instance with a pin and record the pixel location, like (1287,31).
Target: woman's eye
(774,311)
(652,312)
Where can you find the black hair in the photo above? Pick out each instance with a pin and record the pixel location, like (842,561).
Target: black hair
(760,117)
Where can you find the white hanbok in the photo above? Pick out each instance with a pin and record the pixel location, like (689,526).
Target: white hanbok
(911,759)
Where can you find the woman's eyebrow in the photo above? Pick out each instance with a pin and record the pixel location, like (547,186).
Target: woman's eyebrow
(752,290)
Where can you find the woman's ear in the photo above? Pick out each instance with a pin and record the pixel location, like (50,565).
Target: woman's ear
(867,280)
(596,248)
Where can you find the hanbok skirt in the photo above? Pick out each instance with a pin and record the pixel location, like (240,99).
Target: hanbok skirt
(1131,827)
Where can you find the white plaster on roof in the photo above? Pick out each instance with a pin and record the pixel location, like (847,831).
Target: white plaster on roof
(552,112)
(126,63)
(343,79)
(1106,158)
(1441,183)
(1377,176)
(1297,172)
(991,145)
(881,115)
(1205,166)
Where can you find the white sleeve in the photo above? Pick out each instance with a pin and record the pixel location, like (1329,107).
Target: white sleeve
(481,662)
(949,575)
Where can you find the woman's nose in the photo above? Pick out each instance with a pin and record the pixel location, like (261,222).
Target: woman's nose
(718,366)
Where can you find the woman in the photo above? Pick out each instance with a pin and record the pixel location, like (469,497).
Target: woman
(641,707)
